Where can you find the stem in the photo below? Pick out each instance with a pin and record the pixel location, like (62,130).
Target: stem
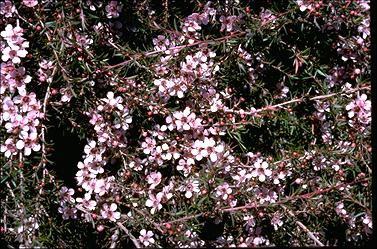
(133,239)
(274,107)
(299,223)
(287,199)
(154,53)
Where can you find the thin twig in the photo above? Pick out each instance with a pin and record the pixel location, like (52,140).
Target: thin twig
(274,107)
(299,223)
(133,239)
(155,53)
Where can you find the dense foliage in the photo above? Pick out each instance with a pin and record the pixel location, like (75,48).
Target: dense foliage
(185,123)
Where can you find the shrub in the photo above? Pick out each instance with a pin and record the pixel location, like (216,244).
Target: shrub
(185,123)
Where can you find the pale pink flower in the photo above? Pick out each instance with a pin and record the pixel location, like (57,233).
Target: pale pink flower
(7,8)
(261,170)
(102,186)
(137,164)
(304,5)
(241,176)
(13,36)
(14,53)
(185,166)
(8,148)
(28,224)
(340,210)
(26,101)
(223,191)
(148,145)
(66,94)
(161,43)
(265,195)
(154,202)
(30,3)
(9,109)
(113,9)
(86,202)
(362,107)
(190,187)
(95,168)
(108,212)
(368,224)
(146,237)
(93,152)
(66,195)
(111,102)
(68,212)
(228,23)
(166,191)
(28,142)
(276,220)
(250,221)
(154,179)
(88,184)
(17,78)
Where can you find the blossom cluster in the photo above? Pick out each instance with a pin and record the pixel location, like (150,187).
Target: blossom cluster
(111,120)
(21,111)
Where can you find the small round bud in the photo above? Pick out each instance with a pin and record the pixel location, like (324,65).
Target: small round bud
(100,228)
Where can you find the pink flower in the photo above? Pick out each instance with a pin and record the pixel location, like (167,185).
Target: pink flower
(102,186)
(88,184)
(340,210)
(149,145)
(261,170)
(9,109)
(146,237)
(223,191)
(111,102)
(93,152)
(362,107)
(154,179)
(17,78)
(87,202)
(109,212)
(368,224)
(30,3)
(276,220)
(241,176)
(228,23)
(7,8)
(113,9)
(14,53)
(28,142)
(185,166)
(66,195)
(68,212)
(9,148)
(154,202)
(250,221)
(190,187)
(13,36)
